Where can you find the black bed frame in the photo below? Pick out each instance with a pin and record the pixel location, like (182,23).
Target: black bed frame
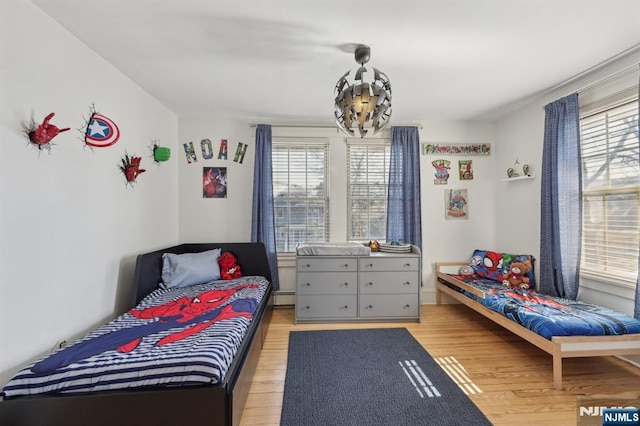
(217,405)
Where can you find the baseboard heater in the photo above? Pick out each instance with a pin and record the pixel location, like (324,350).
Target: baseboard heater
(282,295)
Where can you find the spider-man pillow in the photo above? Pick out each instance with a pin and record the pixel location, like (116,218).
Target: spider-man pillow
(494,266)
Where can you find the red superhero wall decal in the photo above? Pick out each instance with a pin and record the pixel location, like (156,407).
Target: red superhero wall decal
(41,135)
(130,168)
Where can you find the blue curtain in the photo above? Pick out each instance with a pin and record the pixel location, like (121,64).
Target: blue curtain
(561,187)
(636,312)
(263,227)
(404,223)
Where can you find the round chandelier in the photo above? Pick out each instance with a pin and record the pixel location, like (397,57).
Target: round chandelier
(366,100)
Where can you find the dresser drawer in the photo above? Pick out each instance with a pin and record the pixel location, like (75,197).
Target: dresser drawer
(327,283)
(389,305)
(315,264)
(327,306)
(389,282)
(389,264)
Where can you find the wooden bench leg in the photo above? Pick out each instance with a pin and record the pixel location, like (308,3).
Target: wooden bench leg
(557,372)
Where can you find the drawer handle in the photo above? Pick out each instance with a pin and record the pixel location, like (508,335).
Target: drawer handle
(370,265)
(308,284)
(308,266)
(345,307)
(369,307)
(407,283)
(346,265)
(369,283)
(346,284)
(307,307)
(407,306)
(407,264)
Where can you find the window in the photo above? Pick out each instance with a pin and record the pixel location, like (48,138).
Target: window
(368,178)
(611,191)
(301,201)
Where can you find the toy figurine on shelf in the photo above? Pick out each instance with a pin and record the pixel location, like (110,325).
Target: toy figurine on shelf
(374,246)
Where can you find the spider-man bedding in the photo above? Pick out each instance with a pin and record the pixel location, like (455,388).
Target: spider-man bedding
(549,316)
(174,337)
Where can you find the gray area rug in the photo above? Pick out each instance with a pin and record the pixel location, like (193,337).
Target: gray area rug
(369,377)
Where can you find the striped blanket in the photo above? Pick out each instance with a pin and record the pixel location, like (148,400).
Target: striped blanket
(174,337)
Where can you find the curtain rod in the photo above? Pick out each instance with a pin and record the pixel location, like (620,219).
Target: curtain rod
(325,126)
(320,126)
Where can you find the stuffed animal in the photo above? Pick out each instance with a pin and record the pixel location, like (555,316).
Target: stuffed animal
(229,267)
(465,271)
(516,277)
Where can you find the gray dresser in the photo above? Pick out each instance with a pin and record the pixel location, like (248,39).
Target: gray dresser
(377,287)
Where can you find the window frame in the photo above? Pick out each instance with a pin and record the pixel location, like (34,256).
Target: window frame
(588,112)
(303,142)
(386,144)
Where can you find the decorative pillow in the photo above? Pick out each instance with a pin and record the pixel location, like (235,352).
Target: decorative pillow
(488,264)
(494,266)
(182,270)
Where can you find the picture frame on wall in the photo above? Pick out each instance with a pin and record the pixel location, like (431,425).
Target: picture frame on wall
(433,148)
(456,204)
(465,169)
(214,182)
(441,174)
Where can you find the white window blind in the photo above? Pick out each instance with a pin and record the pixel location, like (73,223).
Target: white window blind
(368,179)
(611,191)
(301,202)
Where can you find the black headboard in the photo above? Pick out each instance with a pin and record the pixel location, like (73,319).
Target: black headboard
(252,258)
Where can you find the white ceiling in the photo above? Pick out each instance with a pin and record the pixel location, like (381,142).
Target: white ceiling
(277,61)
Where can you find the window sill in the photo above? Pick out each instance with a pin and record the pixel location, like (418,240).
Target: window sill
(616,281)
(618,287)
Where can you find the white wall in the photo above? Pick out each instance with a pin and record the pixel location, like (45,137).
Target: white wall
(215,219)
(453,240)
(69,226)
(230,219)
(520,135)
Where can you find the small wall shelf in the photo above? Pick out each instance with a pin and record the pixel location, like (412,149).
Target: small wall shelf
(518,178)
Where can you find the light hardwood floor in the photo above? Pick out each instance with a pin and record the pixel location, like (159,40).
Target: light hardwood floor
(514,377)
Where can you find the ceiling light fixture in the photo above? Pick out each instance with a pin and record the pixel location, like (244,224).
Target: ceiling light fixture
(365,100)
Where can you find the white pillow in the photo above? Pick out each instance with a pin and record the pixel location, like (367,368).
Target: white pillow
(182,270)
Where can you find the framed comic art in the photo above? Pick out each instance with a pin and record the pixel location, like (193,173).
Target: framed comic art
(456,204)
(465,169)
(432,148)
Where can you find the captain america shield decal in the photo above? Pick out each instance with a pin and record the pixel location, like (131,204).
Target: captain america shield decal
(101,131)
